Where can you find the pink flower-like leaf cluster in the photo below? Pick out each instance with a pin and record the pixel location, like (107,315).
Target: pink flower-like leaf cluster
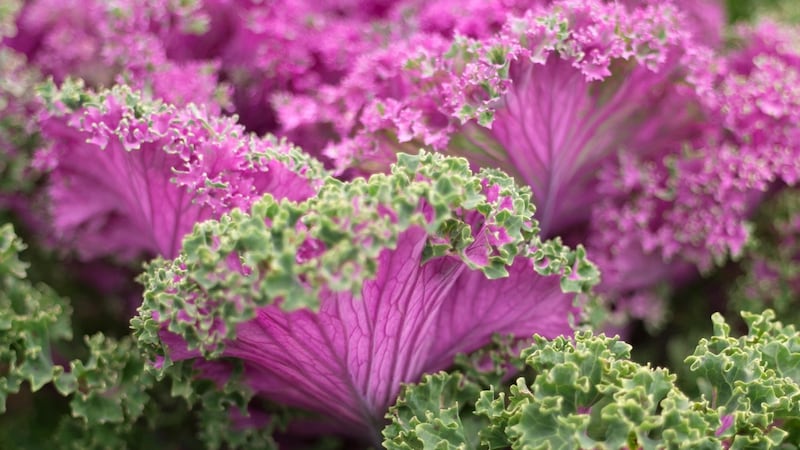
(130,177)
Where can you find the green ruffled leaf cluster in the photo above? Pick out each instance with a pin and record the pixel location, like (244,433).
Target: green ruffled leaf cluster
(439,412)
(754,378)
(109,396)
(110,386)
(586,393)
(436,414)
(108,391)
(31,318)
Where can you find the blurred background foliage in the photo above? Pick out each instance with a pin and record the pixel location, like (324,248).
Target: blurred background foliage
(747,10)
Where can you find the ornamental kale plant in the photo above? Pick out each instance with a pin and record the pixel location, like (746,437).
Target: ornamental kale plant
(404,272)
(399,224)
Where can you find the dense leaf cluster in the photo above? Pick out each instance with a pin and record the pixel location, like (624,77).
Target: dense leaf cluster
(585,392)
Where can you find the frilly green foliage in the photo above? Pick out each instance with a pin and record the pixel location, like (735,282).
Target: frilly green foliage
(108,390)
(586,393)
(435,414)
(31,317)
(754,378)
(415,423)
(110,386)
(109,395)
